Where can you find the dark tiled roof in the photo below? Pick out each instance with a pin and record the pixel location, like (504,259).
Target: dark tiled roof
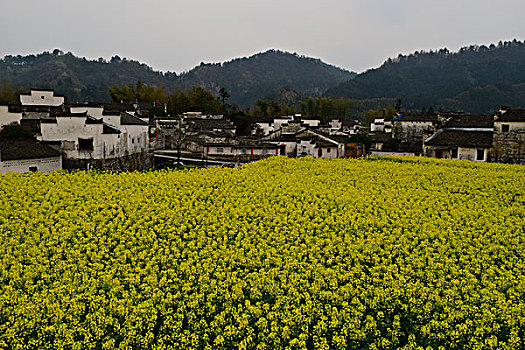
(66,114)
(128,119)
(116,108)
(109,129)
(209,124)
(25,149)
(416,118)
(381,136)
(469,121)
(26,108)
(511,115)
(461,138)
(91,120)
(86,104)
(323,143)
(263,119)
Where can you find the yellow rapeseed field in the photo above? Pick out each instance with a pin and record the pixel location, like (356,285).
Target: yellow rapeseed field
(383,253)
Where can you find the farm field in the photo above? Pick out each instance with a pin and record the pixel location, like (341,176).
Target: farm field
(383,253)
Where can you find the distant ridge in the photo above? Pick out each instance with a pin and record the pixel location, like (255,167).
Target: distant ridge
(246,79)
(476,79)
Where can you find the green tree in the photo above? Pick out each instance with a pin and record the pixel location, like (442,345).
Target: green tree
(224,96)
(15,131)
(8,96)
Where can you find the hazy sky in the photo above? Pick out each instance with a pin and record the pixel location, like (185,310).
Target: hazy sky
(176,35)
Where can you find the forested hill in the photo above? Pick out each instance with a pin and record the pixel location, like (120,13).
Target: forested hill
(246,79)
(75,77)
(476,79)
(252,78)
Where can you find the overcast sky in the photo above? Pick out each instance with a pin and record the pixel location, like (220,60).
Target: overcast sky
(176,35)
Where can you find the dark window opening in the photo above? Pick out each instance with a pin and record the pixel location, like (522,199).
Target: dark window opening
(505,128)
(480,154)
(454,152)
(33,169)
(85,144)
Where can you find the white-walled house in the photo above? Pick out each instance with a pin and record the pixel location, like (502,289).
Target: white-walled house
(509,136)
(27,155)
(317,149)
(81,136)
(41,97)
(462,136)
(8,116)
(381,125)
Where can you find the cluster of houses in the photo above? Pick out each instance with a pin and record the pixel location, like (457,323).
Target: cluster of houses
(214,138)
(74,136)
(498,137)
(126,137)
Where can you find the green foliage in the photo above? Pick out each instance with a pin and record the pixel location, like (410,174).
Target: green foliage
(476,79)
(138,93)
(9,96)
(245,79)
(15,131)
(319,107)
(379,253)
(363,139)
(387,112)
(243,123)
(195,100)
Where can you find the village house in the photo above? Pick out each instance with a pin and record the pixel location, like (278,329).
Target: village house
(242,150)
(379,139)
(509,136)
(41,97)
(382,125)
(461,136)
(409,129)
(27,155)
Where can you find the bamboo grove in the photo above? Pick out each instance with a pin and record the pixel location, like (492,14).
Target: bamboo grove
(383,253)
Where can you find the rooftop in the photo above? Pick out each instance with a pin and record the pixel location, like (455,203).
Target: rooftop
(461,138)
(25,149)
(469,121)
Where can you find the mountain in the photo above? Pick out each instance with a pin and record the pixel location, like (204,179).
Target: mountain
(74,77)
(246,79)
(476,79)
(252,78)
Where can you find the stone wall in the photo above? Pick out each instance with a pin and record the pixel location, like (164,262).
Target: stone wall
(509,147)
(137,161)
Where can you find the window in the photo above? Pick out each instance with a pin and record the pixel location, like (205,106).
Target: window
(33,169)
(220,150)
(480,154)
(85,144)
(454,152)
(505,127)
(328,150)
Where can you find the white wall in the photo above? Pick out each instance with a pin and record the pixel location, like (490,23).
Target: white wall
(45,165)
(238,151)
(95,112)
(470,153)
(311,122)
(70,129)
(8,118)
(41,98)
